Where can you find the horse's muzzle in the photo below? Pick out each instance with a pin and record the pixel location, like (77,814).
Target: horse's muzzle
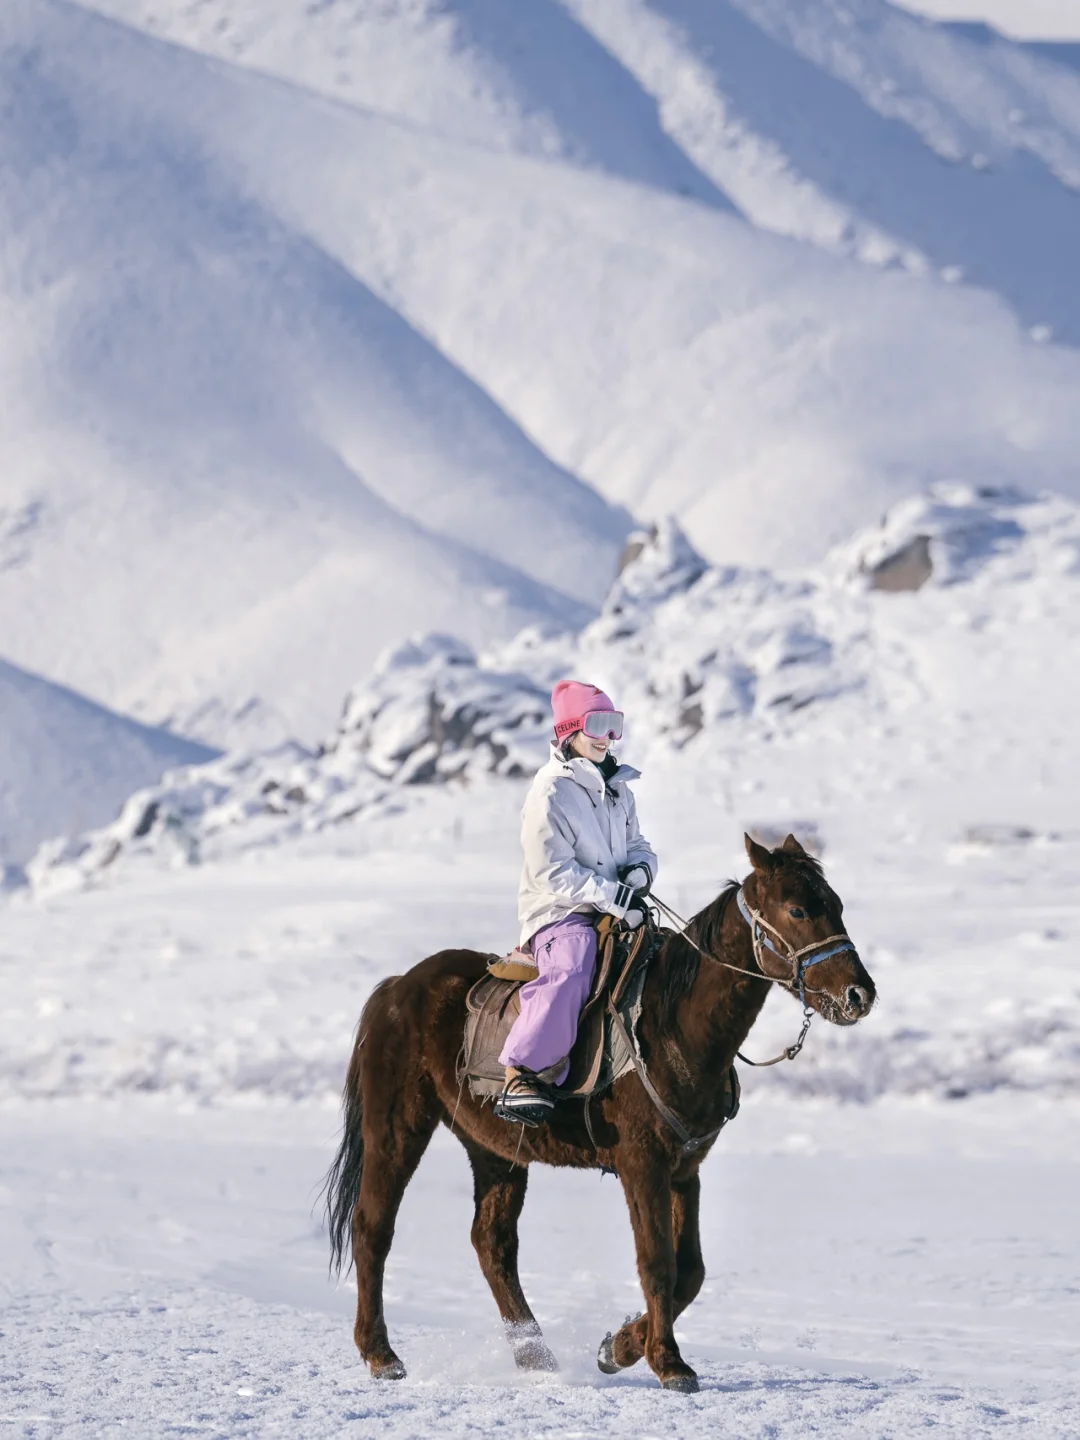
(858,1001)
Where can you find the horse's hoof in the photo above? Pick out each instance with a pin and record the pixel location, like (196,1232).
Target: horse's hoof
(387,1370)
(682,1384)
(530,1351)
(534,1355)
(605,1356)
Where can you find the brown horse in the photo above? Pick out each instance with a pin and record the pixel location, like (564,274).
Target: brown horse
(699,1002)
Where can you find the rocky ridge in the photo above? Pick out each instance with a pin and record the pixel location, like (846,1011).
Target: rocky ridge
(699,656)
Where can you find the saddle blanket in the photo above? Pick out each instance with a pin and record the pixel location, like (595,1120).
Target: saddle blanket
(600,1054)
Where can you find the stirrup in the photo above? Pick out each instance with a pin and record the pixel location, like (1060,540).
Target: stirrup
(525,1100)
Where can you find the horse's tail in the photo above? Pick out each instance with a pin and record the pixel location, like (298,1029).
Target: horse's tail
(342,1184)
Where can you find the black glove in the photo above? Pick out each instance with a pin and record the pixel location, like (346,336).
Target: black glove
(638,876)
(638,905)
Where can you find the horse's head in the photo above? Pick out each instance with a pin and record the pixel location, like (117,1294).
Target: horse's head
(801,940)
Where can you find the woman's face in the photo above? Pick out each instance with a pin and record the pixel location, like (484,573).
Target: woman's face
(590,749)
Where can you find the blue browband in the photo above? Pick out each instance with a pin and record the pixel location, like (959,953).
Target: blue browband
(800,960)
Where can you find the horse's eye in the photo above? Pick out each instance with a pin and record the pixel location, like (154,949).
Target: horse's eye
(796,912)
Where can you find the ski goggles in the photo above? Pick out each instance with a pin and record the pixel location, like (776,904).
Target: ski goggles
(597,724)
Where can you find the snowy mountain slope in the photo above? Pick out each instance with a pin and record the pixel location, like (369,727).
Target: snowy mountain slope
(873,134)
(230,437)
(956,95)
(824,125)
(682,360)
(1058,52)
(1064,52)
(66,763)
(222,451)
(522,77)
(1028,20)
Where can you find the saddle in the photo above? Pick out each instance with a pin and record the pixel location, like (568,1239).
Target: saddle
(600,1053)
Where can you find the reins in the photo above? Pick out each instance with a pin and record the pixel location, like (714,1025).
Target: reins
(761,937)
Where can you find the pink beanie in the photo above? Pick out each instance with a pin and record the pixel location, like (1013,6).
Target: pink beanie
(570,700)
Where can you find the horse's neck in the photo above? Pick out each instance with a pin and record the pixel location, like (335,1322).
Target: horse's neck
(722,1004)
(711,1020)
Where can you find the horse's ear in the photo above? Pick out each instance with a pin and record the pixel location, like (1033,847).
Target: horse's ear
(759,856)
(792,846)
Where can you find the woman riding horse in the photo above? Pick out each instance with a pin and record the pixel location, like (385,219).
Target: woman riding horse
(781,927)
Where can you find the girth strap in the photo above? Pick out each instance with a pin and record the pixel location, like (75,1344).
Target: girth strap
(690,1143)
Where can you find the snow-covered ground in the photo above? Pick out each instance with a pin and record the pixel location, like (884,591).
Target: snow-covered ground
(871,1273)
(172,1048)
(889,1225)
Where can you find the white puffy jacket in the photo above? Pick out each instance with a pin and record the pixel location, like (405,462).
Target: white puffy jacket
(577,832)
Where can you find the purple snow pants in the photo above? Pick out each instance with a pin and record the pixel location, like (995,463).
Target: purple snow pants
(544,1032)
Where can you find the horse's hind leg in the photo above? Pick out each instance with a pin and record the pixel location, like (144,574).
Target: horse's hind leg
(395,1138)
(499,1194)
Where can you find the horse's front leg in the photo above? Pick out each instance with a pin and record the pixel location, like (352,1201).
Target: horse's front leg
(648,1188)
(627,1346)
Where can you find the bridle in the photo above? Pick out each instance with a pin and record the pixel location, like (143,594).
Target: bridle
(761,935)
(764,936)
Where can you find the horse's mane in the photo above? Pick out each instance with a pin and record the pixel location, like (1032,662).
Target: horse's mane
(681,961)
